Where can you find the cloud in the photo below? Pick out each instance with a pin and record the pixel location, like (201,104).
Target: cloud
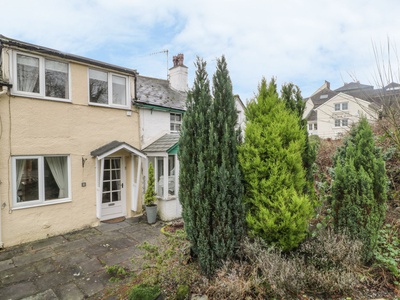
(304,42)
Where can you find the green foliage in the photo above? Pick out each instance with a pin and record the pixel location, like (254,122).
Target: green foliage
(182,292)
(144,292)
(271,162)
(359,188)
(291,96)
(150,195)
(169,265)
(117,273)
(387,252)
(210,179)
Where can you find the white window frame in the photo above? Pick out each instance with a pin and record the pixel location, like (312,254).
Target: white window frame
(174,123)
(110,90)
(341,123)
(41,201)
(340,106)
(42,77)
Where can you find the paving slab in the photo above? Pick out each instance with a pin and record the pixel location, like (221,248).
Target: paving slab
(69,291)
(18,291)
(46,295)
(72,265)
(32,256)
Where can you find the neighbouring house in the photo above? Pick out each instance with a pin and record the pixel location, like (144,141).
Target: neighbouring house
(161,105)
(69,142)
(330,113)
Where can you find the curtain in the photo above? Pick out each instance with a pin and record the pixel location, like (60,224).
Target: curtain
(58,167)
(28,73)
(20,166)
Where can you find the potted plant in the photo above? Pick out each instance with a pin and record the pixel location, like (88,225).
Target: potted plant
(150,197)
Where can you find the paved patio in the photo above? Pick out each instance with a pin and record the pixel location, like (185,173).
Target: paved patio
(72,266)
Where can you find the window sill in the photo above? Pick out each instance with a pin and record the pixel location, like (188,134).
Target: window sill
(42,204)
(110,106)
(168,199)
(40,97)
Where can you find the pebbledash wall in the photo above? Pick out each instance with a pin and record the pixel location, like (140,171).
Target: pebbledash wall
(32,126)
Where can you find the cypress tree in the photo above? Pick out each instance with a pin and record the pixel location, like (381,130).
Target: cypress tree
(193,143)
(270,158)
(210,178)
(359,188)
(291,96)
(227,190)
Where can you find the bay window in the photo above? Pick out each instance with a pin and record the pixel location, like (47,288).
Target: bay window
(39,180)
(165,174)
(108,89)
(41,77)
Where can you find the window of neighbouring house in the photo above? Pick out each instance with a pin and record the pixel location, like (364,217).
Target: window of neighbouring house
(108,89)
(341,122)
(315,126)
(40,77)
(341,106)
(310,126)
(175,122)
(40,180)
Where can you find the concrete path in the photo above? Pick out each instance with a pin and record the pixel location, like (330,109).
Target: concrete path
(72,266)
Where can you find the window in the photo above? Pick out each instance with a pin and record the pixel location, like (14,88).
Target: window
(41,77)
(341,106)
(341,122)
(315,126)
(310,126)
(159,173)
(107,89)
(39,180)
(175,122)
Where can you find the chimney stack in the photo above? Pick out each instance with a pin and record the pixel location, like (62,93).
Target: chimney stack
(178,74)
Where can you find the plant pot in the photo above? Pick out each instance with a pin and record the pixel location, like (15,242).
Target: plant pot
(151,212)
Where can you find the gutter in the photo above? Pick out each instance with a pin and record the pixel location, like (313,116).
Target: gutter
(157,107)
(43,50)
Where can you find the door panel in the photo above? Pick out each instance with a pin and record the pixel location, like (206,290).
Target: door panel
(113,197)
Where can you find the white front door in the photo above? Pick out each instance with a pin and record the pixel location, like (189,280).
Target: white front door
(113,196)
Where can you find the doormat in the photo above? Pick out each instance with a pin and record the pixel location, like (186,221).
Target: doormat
(116,220)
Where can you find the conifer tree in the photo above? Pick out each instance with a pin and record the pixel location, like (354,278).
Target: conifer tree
(359,188)
(291,96)
(210,179)
(193,147)
(270,158)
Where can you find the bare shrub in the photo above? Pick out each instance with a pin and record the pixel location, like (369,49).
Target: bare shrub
(325,265)
(236,280)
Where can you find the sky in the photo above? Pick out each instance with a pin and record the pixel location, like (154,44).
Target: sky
(303,42)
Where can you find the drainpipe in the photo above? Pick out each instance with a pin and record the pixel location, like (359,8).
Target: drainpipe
(4,90)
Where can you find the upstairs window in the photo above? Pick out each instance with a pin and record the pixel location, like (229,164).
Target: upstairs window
(108,89)
(175,122)
(341,106)
(40,77)
(341,122)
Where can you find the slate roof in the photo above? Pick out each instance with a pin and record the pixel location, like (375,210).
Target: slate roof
(110,146)
(158,92)
(354,86)
(44,50)
(163,144)
(312,116)
(320,98)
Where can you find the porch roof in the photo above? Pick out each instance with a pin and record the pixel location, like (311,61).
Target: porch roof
(166,143)
(113,147)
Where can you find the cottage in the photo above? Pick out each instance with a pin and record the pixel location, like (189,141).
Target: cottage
(69,142)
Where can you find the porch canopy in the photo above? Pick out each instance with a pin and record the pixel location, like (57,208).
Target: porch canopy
(101,154)
(167,143)
(113,147)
